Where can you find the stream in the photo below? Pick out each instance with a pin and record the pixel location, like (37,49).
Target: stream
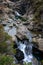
(24,46)
(12,31)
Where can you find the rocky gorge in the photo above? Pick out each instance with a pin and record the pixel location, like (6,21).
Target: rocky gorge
(23,21)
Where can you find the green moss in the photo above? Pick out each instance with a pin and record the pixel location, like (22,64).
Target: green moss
(29,63)
(7,37)
(6,60)
(14,51)
(4,46)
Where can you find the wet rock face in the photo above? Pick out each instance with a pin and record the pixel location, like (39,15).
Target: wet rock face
(41,15)
(22,6)
(1,0)
(22,9)
(1,12)
(41,26)
(38,54)
(15,46)
(19,55)
(36,27)
(35,44)
(14,0)
(24,40)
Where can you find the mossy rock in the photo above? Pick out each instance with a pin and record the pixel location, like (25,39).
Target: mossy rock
(29,63)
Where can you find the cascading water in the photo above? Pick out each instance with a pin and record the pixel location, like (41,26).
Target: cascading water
(24,45)
(27,58)
(21,45)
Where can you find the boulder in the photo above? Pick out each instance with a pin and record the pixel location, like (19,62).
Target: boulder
(38,54)
(39,42)
(1,12)
(4,23)
(15,46)
(19,55)
(14,0)
(21,37)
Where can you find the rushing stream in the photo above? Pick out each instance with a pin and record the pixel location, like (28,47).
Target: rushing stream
(21,46)
(27,58)
(24,46)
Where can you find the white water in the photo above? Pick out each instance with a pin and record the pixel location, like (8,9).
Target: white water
(27,58)
(29,36)
(12,32)
(17,13)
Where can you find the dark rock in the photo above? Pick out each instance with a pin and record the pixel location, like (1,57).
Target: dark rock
(41,15)
(26,23)
(40,26)
(19,55)
(38,54)
(14,0)
(25,42)
(41,35)
(39,29)
(1,1)
(22,39)
(6,4)
(0,21)
(30,27)
(15,46)
(35,44)
(13,12)
(18,38)
(24,6)
(4,24)
(22,9)
(1,12)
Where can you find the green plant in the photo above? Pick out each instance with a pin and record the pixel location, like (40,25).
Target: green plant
(3,44)
(6,60)
(29,63)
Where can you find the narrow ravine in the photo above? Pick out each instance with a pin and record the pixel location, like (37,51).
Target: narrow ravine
(22,45)
(22,21)
(12,28)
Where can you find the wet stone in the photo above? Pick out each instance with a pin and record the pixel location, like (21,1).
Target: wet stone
(4,24)
(35,44)
(14,0)
(1,12)
(22,9)
(19,55)
(15,46)
(1,1)
(38,54)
